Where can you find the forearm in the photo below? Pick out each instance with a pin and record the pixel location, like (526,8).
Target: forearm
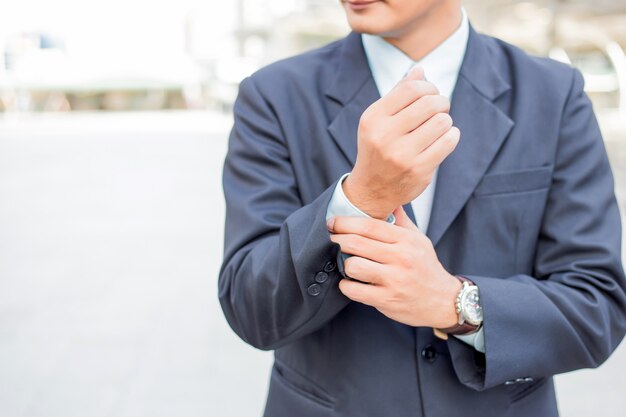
(282,286)
(279,276)
(539,328)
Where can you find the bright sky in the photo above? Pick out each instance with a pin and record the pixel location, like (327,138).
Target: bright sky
(120,28)
(114,27)
(130,39)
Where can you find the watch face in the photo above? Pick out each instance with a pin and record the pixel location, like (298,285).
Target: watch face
(472,310)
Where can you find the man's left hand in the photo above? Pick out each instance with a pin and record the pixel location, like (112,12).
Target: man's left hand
(396,270)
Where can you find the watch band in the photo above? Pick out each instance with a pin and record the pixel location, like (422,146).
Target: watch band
(457,329)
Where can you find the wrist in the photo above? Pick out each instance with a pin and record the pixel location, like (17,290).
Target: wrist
(362,198)
(449,314)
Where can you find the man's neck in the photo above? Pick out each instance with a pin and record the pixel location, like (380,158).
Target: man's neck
(427,32)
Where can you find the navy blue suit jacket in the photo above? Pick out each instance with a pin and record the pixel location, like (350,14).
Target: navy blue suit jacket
(524,206)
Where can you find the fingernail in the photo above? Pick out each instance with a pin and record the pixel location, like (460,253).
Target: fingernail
(330,224)
(416,69)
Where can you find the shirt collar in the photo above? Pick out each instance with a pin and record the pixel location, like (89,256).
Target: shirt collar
(389,64)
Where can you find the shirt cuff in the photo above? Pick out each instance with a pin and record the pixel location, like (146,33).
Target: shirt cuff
(340,205)
(477,340)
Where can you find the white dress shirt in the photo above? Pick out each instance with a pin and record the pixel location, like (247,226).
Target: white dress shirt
(388,66)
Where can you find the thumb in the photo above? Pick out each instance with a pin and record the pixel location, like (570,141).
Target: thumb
(403,220)
(416,74)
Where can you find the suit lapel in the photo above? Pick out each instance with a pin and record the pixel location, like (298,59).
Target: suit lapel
(353,89)
(484,128)
(343,129)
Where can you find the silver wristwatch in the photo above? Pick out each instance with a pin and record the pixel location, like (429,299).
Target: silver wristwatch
(469,310)
(468,305)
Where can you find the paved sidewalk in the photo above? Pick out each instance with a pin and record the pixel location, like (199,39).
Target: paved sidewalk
(110,243)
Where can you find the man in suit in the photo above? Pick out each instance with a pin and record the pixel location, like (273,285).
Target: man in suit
(501,270)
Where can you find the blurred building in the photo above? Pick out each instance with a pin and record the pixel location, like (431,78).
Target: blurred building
(590,35)
(222,43)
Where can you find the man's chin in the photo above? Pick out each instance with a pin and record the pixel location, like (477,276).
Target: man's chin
(368,27)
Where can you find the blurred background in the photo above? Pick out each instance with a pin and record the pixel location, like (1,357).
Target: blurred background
(114,119)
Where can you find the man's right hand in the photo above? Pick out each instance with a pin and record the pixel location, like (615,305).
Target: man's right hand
(402,139)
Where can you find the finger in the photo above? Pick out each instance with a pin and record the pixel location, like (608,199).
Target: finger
(405,93)
(425,135)
(434,155)
(416,73)
(367,227)
(403,220)
(364,247)
(360,292)
(418,113)
(365,270)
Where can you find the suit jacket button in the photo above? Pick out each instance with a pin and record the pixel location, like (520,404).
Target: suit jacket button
(330,266)
(314,290)
(321,277)
(429,353)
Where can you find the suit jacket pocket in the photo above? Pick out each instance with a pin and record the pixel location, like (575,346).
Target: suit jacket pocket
(521,391)
(291,379)
(514,181)
(288,399)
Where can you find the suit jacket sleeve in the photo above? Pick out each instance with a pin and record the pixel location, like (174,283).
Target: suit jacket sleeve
(275,246)
(572,313)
